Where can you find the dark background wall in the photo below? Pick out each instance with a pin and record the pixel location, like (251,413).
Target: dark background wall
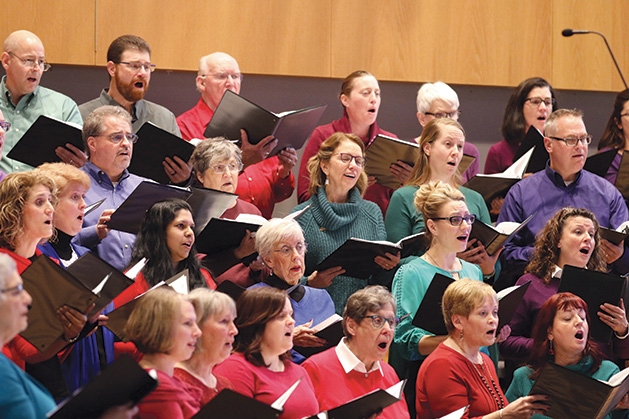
(481,106)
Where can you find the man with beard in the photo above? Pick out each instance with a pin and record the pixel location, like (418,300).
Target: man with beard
(23,100)
(264,181)
(129,67)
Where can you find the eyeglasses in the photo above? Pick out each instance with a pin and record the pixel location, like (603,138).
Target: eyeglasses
(5,125)
(137,66)
(220,169)
(224,76)
(536,101)
(456,220)
(286,250)
(117,138)
(571,142)
(379,321)
(450,115)
(34,63)
(347,158)
(15,291)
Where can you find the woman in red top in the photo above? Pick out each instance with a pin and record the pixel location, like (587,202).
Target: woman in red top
(216,313)
(456,374)
(163,326)
(360,97)
(26,219)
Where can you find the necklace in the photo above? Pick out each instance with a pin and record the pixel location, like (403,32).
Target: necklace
(493,389)
(432,261)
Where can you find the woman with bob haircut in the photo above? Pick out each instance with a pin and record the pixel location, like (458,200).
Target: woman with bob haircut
(215,317)
(616,134)
(281,245)
(356,365)
(530,104)
(84,361)
(27,202)
(457,373)
(440,152)
(261,367)
(571,237)
(337,212)
(561,336)
(360,98)
(217,163)
(166,239)
(163,327)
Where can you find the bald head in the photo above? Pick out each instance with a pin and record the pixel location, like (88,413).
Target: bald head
(23,60)
(218,72)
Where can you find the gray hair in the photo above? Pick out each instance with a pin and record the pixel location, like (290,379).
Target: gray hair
(369,299)
(276,230)
(7,269)
(429,92)
(213,150)
(95,121)
(550,126)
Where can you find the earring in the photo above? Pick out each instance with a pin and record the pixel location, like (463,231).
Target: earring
(461,336)
(327,181)
(551,351)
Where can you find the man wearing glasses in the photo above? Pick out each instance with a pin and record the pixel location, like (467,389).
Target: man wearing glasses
(264,181)
(109,143)
(129,67)
(22,99)
(562,184)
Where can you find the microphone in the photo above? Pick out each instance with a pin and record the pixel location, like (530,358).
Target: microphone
(570,32)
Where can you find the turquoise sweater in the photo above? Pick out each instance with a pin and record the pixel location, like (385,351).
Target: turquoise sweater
(327,226)
(522,384)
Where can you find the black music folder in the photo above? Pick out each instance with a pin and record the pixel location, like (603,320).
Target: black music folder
(39,142)
(356,256)
(153,146)
(291,129)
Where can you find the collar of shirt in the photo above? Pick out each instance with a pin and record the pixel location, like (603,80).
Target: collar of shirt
(557,272)
(97,174)
(350,362)
(135,109)
(6,96)
(557,179)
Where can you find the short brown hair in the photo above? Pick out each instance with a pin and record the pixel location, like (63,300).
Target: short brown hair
(348,82)
(257,307)
(125,42)
(14,190)
(152,321)
(327,149)
(367,300)
(462,297)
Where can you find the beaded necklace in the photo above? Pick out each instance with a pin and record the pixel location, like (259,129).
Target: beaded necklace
(493,389)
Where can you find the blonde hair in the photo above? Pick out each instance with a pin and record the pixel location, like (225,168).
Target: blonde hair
(64,174)
(462,297)
(431,197)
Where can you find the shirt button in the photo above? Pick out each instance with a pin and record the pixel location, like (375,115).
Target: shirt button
(249,179)
(126,246)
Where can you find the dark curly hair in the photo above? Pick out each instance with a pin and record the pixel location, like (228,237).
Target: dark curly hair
(546,252)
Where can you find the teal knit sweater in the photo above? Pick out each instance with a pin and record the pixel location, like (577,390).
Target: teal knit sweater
(327,226)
